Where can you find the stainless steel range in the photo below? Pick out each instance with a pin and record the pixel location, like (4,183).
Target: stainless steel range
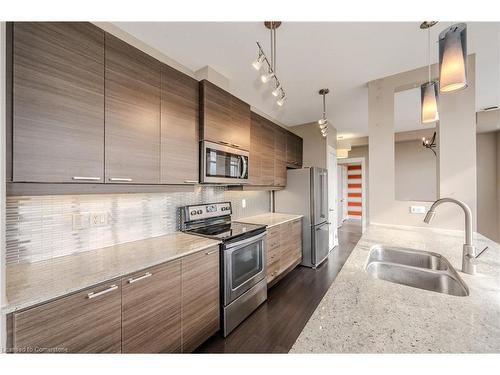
(243,259)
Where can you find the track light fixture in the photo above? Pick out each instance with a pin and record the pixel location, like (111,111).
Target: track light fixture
(269,65)
(323,121)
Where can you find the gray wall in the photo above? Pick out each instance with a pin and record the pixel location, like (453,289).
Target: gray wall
(487,185)
(457,152)
(315,148)
(415,172)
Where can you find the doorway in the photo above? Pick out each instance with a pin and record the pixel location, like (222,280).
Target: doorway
(352,187)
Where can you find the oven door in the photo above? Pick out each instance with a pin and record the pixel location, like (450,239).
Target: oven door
(244,266)
(223,164)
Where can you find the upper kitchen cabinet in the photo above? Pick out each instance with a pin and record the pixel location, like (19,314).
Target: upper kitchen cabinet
(293,150)
(58,102)
(179,127)
(224,118)
(132,114)
(279,156)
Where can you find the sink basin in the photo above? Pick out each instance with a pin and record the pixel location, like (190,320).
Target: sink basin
(415,268)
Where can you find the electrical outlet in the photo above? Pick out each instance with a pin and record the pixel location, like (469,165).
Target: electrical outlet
(98,219)
(243,203)
(418,209)
(81,221)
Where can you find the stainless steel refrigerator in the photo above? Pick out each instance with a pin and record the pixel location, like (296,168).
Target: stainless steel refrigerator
(306,194)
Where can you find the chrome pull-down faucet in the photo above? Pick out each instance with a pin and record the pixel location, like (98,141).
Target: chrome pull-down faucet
(469,251)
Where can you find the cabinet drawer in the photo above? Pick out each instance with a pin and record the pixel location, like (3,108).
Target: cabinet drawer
(85,322)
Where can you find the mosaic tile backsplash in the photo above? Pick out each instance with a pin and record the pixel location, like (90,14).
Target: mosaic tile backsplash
(41,227)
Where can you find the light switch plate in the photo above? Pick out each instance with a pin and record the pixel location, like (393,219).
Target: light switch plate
(98,219)
(243,203)
(418,209)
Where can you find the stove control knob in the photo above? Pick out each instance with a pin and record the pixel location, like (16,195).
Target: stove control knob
(199,212)
(193,212)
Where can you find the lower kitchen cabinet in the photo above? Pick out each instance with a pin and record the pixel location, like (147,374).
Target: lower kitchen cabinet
(85,322)
(200,314)
(284,248)
(151,310)
(169,308)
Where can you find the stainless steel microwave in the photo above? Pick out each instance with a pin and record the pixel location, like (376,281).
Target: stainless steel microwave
(223,164)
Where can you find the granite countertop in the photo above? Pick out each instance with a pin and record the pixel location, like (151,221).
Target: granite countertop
(269,219)
(29,284)
(360,314)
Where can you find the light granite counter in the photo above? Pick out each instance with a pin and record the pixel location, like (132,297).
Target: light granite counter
(269,219)
(29,284)
(360,314)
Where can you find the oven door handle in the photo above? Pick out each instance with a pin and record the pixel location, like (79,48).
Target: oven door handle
(244,163)
(245,241)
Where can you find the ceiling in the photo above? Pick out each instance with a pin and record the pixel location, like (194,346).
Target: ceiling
(342,56)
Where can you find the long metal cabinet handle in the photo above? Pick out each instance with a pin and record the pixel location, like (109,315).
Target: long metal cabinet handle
(211,252)
(145,276)
(84,178)
(120,179)
(110,289)
(190,181)
(244,170)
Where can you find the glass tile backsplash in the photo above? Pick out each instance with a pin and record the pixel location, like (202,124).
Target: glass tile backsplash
(43,227)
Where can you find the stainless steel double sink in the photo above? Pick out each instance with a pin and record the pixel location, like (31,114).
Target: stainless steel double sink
(415,268)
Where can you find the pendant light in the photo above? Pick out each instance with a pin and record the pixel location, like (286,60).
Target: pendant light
(453,58)
(323,121)
(429,90)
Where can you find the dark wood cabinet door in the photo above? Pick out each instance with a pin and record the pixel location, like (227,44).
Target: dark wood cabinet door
(200,298)
(238,132)
(215,113)
(132,114)
(279,156)
(267,153)
(179,127)
(255,159)
(151,310)
(58,102)
(224,118)
(85,322)
(293,150)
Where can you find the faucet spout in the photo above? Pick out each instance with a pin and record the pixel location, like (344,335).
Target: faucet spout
(469,251)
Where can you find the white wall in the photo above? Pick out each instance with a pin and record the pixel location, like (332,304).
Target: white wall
(315,149)
(457,153)
(487,188)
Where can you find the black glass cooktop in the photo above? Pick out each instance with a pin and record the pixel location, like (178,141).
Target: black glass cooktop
(228,230)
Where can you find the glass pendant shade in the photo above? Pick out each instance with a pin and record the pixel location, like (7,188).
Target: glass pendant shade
(453,58)
(429,102)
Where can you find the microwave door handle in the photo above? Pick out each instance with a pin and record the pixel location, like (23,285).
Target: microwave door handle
(244,169)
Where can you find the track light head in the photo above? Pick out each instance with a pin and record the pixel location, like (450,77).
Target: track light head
(282,99)
(257,64)
(277,89)
(266,77)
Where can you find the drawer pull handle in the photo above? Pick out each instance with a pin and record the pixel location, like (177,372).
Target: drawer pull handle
(94,294)
(120,179)
(145,276)
(190,181)
(211,252)
(224,143)
(83,178)
(235,145)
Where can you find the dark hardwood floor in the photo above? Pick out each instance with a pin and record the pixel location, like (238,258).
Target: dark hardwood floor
(276,324)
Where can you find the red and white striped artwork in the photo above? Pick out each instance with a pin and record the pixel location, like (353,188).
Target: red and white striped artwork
(354,191)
